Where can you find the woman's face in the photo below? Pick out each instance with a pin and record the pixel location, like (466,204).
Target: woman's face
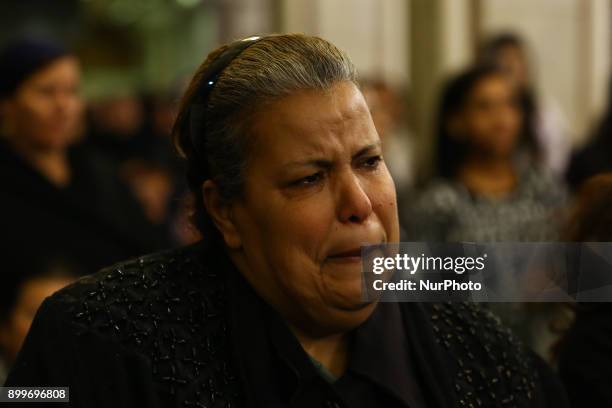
(491,119)
(46,110)
(316,189)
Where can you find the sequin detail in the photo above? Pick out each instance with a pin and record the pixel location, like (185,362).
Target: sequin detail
(172,309)
(491,367)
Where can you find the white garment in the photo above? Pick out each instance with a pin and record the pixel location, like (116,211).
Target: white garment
(552,133)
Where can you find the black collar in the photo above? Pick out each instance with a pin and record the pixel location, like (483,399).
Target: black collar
(381,352)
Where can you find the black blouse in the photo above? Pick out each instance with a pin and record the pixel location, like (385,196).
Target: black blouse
(93,222)
(183,329)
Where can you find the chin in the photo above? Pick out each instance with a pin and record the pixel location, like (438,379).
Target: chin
(349,302)
(337,321)
(345,294)
(346,319)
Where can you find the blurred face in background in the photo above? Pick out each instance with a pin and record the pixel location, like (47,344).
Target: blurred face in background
(120,117)
(490,120)
(14,330)
(316,190)
(45,112)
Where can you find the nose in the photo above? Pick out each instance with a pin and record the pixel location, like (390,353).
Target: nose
(354,205)
(64,101)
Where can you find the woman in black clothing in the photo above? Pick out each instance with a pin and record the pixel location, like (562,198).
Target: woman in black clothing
(61,204)
(289,182)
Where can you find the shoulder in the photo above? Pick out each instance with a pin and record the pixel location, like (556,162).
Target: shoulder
(164,311)
(490,363)
(137,298)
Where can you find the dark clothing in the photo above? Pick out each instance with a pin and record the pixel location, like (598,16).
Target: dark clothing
(585,357)
(380,371)
(184,329)
(92,222)
(592,159)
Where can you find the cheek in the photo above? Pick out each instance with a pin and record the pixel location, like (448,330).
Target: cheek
(35,114)
(480,130)
(481,124)
(279,230)
(284,243)
(75,109)
(384,205)
(516,121)
(297,225)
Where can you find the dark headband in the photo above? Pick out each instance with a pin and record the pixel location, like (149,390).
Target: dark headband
(197,110)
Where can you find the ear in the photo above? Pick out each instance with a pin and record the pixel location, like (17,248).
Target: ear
(221,214)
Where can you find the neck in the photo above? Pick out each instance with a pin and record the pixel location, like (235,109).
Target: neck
(331,351)
(51,163)
(488,175)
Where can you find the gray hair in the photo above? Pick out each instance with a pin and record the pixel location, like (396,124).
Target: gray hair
(272,68)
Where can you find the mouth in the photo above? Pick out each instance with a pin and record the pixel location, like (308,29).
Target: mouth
(351,255)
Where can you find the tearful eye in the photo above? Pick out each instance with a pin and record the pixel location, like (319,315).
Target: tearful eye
(310,180)
(372,162)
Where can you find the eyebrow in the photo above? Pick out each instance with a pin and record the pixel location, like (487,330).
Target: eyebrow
(327,163)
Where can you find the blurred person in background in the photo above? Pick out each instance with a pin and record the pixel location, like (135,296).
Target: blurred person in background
(486,189)
(541,116)
(21,294)
(584,353)
(596,156)
(161,109)
(116,125)
(135,132)
(61,202)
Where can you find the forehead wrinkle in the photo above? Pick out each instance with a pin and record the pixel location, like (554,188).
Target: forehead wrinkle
(341,110)
(319,134)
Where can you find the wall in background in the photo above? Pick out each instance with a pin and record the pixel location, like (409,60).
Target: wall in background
(374,33)
(570,44)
